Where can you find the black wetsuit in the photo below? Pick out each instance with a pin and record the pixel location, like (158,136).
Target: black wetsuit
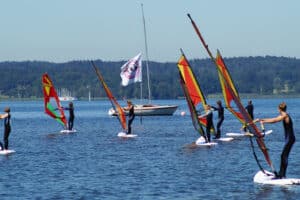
(220,110)
(131,116)
(7,130)
(250,109)
(71,117)
(289,141)
(209,124)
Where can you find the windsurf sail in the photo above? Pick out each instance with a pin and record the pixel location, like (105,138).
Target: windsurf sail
(52,104)
(194,115)
(232,97)
(227,87)
(194,91)
(114,103)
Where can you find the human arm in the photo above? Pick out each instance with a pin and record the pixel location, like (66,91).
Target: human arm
(5,115)
(273,120)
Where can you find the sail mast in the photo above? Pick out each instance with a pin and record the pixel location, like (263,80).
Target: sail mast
(248,121)
(147,57)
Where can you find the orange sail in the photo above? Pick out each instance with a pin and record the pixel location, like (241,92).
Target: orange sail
(114,103)
(51,101)
(231,95)
(192,86)
(228,96)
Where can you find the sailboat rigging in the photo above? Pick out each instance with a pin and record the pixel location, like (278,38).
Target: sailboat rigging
(51,101)
(231,95)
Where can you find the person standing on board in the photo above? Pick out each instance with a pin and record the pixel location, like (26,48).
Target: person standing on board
(220,110)
(288,135)
(131,115)
(71,115)
(209,121)
(250,109)
(7,128)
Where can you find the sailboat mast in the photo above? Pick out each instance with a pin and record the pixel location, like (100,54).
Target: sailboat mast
(147,57)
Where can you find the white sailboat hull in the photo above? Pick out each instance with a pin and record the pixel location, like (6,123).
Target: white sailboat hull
(149,110)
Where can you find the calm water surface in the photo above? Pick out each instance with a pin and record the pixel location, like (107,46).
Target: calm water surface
(159,164)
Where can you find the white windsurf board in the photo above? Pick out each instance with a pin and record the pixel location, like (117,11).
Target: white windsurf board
(242,134)
(6,152)
(68,131)
(124,135)
(268,178)
(201,142)
(224,139)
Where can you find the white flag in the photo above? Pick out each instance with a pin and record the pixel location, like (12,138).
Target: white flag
(131,71)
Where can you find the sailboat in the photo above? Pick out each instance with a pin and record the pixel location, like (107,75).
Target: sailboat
(149,109)
(121,114)
(131,73)
(52,104)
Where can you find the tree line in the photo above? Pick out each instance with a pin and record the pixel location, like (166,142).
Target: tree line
(255,75)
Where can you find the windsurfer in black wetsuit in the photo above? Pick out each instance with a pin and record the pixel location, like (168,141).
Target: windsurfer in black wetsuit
(131,115)
(220,110)
(7,128)
(209,121)
(250,109)
(288,135)
(71,115)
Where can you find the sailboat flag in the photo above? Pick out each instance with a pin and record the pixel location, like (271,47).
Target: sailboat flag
(131,71)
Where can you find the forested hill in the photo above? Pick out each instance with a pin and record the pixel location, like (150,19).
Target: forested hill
(259,75)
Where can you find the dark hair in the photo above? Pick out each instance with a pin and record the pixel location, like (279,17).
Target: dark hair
(282,106)
(7,110)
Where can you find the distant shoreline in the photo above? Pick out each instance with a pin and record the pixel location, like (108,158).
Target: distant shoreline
(210,96)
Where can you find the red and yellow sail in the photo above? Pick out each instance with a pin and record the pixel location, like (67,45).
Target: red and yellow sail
(194,115)
(227,88)
(51,101)
(192,85)
(114,103)
(231,95)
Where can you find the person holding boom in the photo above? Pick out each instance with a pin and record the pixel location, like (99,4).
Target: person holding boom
(288,135)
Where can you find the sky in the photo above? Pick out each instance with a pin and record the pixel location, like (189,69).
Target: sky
(112,30)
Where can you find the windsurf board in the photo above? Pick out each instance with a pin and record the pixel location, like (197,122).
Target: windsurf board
(124,135)
(268,178)
(68,131)
(6,152)
(201,142)
(224,139)
(242,134)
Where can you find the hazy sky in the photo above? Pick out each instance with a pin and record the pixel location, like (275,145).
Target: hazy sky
(112,30)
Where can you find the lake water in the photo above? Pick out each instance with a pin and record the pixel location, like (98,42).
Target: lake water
(95,164)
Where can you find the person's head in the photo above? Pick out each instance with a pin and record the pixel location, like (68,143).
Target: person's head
(282,106)
(7,110)
(208,107)
(129,102)
(71,104)
(249,102)
(219,102)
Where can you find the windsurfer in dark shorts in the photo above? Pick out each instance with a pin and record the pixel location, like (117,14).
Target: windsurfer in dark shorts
(131,115)
(71,115)
(7,128)
(220,110)
(288,135)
